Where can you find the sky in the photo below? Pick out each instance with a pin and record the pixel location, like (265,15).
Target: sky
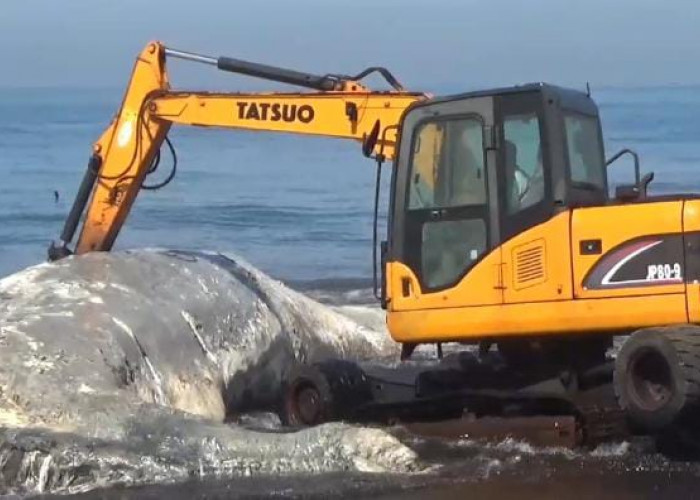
(428,44)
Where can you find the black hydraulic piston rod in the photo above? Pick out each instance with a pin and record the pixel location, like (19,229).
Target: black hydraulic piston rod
(273,73)
(61,250)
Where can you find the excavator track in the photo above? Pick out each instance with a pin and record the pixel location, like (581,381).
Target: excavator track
(600,424)
(478,400)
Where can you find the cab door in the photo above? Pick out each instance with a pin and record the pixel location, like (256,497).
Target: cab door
(444,226)
(536,244)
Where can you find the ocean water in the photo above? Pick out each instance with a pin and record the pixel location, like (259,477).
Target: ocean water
(299,208)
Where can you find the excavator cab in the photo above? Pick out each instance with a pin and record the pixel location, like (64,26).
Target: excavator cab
(476,169)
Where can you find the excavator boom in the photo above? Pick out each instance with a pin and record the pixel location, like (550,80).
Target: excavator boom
(338,106)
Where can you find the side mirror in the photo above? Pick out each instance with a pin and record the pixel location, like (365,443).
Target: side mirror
(635,157)
(644,183)
(369,141)
(632,192)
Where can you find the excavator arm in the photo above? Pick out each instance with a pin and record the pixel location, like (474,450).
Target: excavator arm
(129,149)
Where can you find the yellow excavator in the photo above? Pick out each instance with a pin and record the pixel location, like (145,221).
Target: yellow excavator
(502,234)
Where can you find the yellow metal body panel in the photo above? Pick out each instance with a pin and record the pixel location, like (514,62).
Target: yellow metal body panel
(539,291)
(691,223)
(481,286)
(614,225)
(537,263)
(692,291)
(323,114)
(494,279)
(536,318)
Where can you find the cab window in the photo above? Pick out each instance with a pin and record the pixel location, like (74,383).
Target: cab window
(585,152)
(523,162)
(447,193)
(447,167)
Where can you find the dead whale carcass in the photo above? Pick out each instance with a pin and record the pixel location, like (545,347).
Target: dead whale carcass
(122,367)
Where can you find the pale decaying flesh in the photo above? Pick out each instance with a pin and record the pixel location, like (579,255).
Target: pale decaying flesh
(121,368)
